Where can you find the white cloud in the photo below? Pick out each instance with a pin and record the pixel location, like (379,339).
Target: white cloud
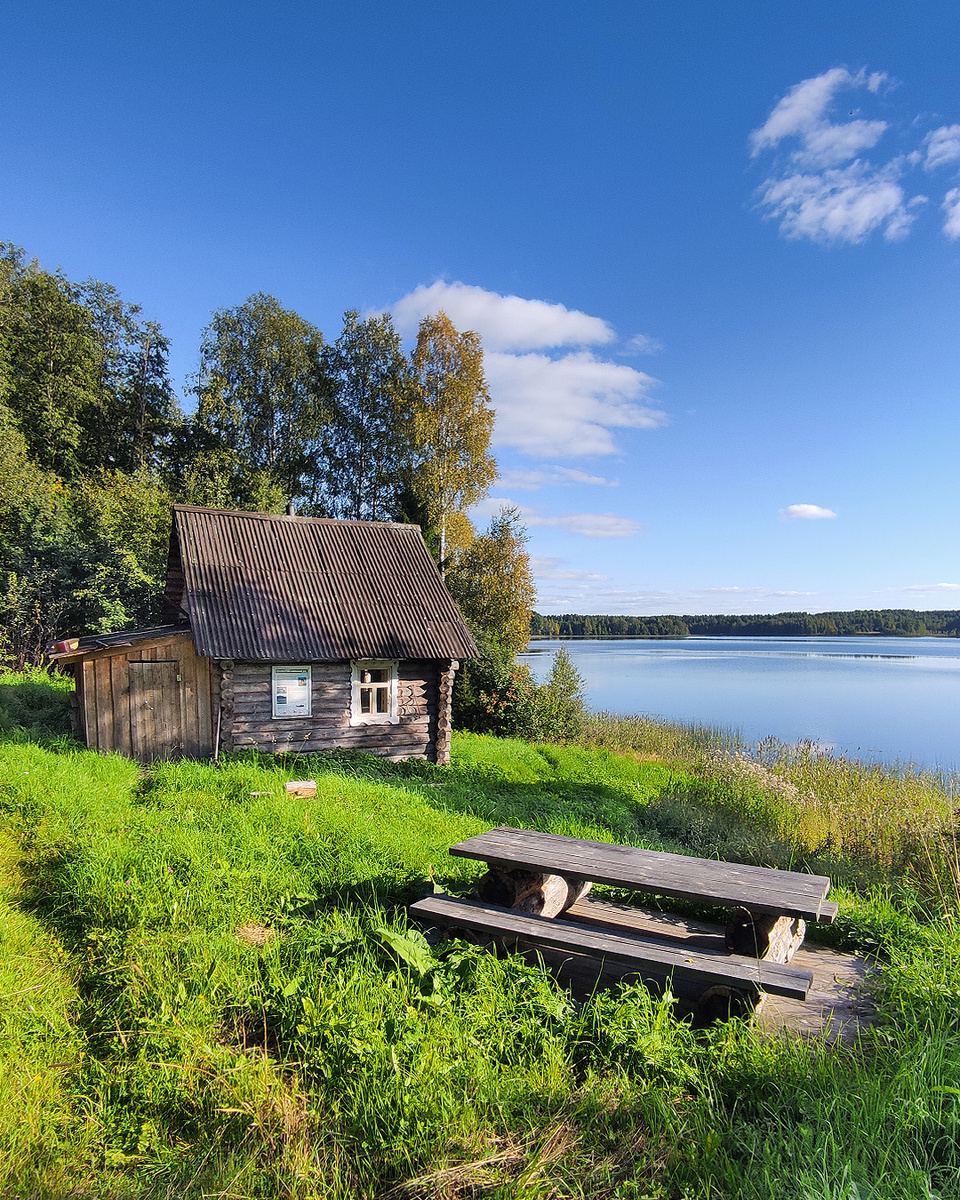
(591,525)
(566,407)
(840,205)
(503,322)
(820,187)
(951,206)
(943,146)
(806,512)
(549,406)
(561,595)
(533,481)
(800,109)
(801,113)
(831,145)
(930,587)
(640,343)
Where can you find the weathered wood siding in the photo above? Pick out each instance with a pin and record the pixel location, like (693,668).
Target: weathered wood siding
(248,721)
(147,700)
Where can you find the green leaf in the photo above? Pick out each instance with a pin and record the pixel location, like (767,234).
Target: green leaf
(410,948)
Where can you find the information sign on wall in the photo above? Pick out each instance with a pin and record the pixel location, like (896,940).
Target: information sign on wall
(292,691)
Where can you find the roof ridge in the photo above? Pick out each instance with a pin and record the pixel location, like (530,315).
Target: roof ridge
(266,516)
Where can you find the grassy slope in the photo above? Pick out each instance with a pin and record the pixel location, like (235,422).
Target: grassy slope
(152,1048)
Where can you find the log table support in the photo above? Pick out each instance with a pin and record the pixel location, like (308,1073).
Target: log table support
(535,892)
(763,935)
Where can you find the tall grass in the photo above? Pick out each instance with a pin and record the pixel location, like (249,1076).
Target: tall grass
(211,989)
(860,822)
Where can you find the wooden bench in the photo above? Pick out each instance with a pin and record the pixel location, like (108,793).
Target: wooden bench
(532,877)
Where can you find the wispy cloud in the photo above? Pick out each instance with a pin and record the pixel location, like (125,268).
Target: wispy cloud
(806,512)
(534,480)
(929,587)
(590,525)
(559,594)
(821,186)
(503,322)
(841,205)
(942,146)
(640,343)
(550,569)
(951,206)
(548,405)
(802,114)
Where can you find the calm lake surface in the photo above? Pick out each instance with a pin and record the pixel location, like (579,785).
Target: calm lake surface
(877,698)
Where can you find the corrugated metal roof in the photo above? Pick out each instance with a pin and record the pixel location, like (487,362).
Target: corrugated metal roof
(285,589)
(77,647)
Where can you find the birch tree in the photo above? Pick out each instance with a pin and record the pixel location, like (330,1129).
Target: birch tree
(450,422)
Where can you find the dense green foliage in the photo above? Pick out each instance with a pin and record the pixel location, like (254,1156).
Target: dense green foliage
(492,583)
(495,694)
(94,449)
(210,988)
(899,621)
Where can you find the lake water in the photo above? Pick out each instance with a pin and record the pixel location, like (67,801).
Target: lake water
(884,699)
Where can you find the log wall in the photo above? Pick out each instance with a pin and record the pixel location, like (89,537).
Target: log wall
(247,712)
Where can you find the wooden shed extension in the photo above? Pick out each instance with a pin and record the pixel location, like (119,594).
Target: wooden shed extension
(145,693)
(285,634)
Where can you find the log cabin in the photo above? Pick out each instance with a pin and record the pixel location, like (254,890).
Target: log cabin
(281,634)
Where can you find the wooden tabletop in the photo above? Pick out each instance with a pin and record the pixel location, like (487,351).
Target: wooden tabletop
(759,889)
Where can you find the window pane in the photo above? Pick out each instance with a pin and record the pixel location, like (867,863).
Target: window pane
(365,699)
(383,700)
(379,675)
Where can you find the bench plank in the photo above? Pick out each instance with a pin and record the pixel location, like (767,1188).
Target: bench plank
(759,889)
(708,969)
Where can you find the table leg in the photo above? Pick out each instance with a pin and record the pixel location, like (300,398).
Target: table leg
(536,892)
(762,935)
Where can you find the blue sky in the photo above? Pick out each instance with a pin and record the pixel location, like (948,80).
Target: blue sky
(713,251)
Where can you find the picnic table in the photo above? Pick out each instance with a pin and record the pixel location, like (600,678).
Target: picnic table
(532,878)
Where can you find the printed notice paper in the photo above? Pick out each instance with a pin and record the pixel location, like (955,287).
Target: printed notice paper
(291,691)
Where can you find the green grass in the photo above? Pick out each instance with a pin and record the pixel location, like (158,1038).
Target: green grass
(210,989)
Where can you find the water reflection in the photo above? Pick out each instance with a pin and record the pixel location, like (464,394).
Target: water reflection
(876,698)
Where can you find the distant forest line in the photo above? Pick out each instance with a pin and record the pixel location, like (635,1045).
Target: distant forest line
(901,622)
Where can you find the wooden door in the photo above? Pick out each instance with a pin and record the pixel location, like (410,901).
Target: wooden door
(156,710)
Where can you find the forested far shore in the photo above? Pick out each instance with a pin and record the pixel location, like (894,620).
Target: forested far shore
(897,622)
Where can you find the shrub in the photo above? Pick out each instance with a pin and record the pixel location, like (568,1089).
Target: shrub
(559,703)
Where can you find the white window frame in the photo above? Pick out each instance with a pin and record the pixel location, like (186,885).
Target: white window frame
(391,666)
(284,716)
